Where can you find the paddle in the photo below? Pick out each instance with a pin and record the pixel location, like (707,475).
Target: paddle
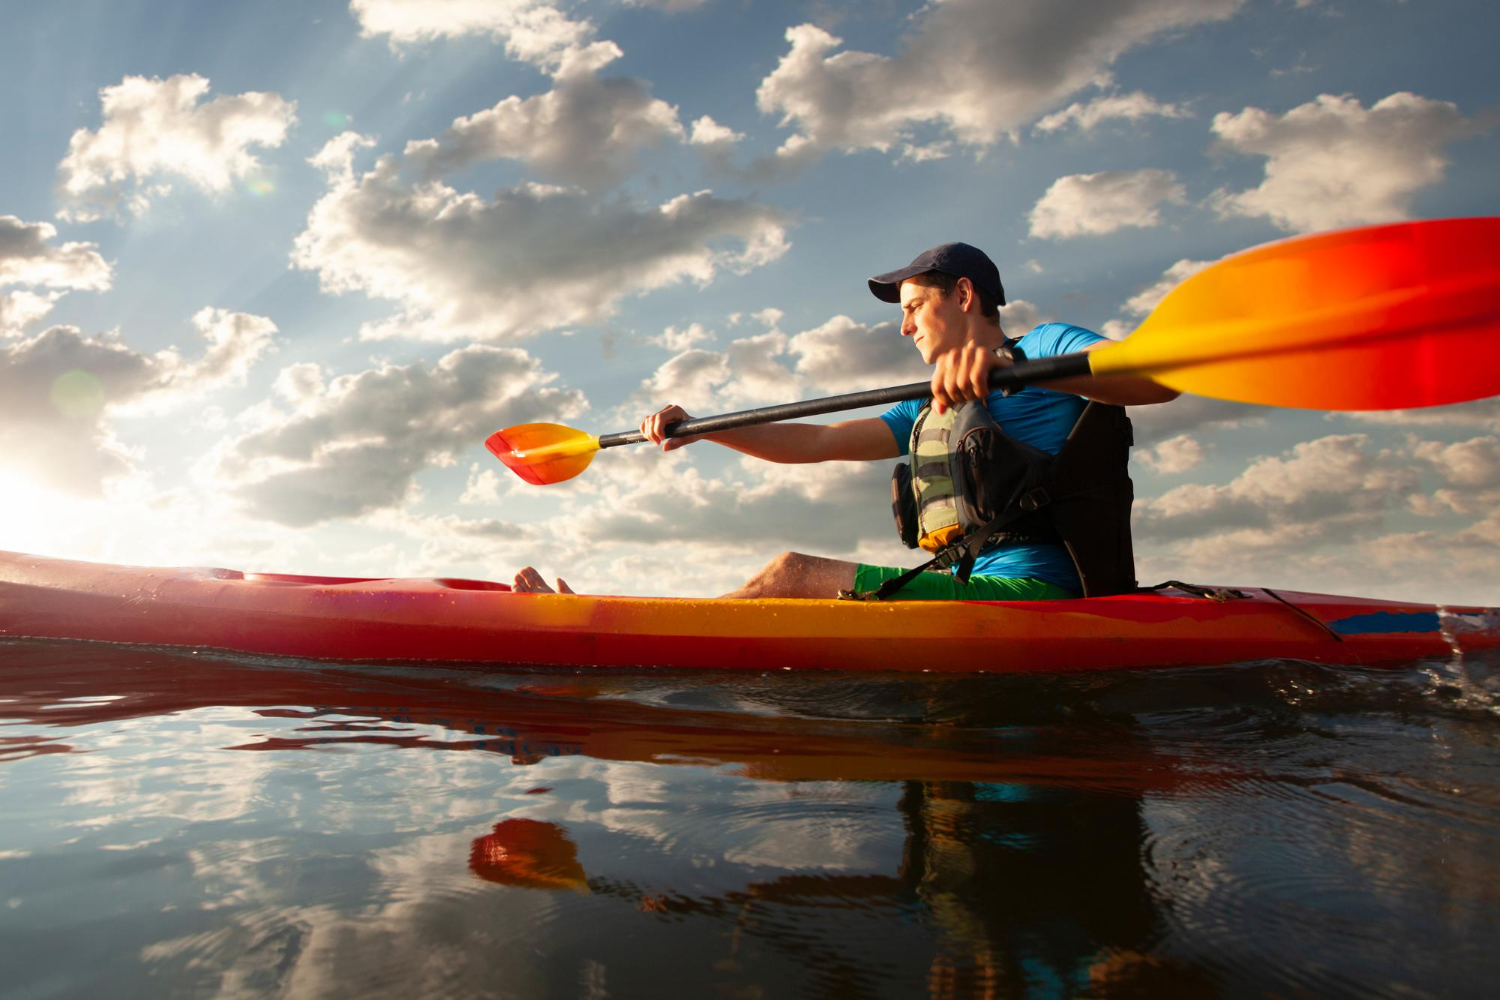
(1387,317)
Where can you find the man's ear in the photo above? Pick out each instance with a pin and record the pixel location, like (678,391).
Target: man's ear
(965,290)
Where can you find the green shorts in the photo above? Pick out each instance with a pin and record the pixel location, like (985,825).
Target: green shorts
(945,587)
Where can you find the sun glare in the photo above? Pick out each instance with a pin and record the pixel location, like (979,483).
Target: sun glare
(36,519)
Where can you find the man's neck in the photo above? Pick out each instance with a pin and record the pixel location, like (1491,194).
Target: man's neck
(986,334)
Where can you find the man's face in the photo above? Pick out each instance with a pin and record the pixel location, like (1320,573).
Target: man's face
(933,320)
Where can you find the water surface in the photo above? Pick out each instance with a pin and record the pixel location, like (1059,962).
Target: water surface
(195,825)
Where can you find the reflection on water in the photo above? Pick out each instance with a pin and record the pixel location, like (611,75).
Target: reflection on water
(180,825)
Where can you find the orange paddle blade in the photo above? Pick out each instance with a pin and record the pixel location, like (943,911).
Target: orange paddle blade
(530,853)
(543,454)
(1386,317)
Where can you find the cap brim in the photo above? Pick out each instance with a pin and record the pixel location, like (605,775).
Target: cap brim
(887,287)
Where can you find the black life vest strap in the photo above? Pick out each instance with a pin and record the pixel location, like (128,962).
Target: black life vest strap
(961,553)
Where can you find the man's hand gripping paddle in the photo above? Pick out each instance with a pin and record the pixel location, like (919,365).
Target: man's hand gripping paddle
(1383,318)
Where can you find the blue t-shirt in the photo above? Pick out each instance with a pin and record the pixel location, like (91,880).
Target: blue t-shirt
(1042,418)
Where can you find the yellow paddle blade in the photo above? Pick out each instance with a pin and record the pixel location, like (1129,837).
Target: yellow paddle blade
(1385,317)
(543,454)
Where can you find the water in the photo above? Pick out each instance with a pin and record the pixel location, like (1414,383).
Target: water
(176,825)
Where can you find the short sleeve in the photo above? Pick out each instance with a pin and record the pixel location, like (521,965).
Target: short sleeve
(1051,339)
(900,419)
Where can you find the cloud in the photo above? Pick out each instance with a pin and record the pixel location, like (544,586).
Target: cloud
(973,70)
(585,131)
(1093,204)
(1174,455)
(674,339)
(28,258)
(1484,413)
(60,390)
(533,31)
(1332,162)
(156,129)
(707,132)
(670,6)
(533,258)
(844,356)
(19,310)
(756,510)
(838,356)
(1317,517)
(1147,299)
(1128,107)
(1159,422)
(347,446)
(1324,487)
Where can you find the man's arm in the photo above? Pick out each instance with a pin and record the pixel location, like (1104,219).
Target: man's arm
(964,373)
(865,440)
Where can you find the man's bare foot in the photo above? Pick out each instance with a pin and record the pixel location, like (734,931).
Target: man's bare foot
(529,581)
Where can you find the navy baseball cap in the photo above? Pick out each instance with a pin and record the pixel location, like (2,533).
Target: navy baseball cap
(957,259)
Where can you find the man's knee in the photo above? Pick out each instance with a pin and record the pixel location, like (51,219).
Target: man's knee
(788,564)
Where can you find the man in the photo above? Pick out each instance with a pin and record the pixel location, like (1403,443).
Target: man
(950,297)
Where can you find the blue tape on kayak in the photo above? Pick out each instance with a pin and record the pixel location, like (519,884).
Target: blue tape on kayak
(1386,622)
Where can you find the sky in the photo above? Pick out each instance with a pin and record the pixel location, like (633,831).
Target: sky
(270,273)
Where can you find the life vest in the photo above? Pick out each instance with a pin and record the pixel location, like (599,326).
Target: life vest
(969,486)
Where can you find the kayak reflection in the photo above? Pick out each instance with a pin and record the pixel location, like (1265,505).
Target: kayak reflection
(1020,863)
(911,730)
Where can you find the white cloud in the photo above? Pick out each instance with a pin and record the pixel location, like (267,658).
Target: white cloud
(1174,455)
(838,356)
(354,444)
(1159,422)
(674,339)
(533,31)
(1484,413)
(1327,486)
(1332,162)
(1128,107)
(483,486)
(670,6)
(585,131)
(1319,517)
(1018,316)
(1092,204)
(1147,299)
(60,390)
(19,310)
(534,258)
(844,356)
(974,69)
(156,129)
(707,132)
(1471,464)
(26,258)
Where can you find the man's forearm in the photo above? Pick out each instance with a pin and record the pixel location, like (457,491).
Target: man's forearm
(864,440)
(1116,390)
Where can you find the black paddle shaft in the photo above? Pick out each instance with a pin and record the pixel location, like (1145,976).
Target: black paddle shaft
(1021,373)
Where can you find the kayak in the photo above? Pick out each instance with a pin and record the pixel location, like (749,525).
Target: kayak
(460,621)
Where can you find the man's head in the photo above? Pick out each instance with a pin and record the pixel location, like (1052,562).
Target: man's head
(948,295)
(948,260)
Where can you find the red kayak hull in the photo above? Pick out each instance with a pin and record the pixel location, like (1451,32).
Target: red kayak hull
(466,621)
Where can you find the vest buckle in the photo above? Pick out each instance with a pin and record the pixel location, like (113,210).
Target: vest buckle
(1035,500)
